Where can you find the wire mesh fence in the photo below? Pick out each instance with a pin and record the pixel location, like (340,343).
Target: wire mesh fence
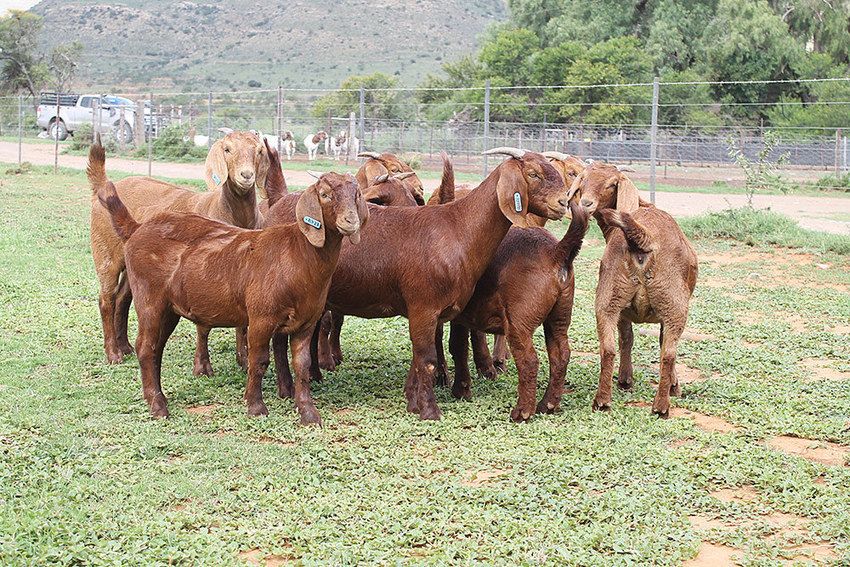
(632,124)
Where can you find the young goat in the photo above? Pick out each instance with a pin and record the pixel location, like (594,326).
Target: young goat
(313,142)
(429,275)
(287,144)
(647,275)
(270,280)
(236,168)
(529,283)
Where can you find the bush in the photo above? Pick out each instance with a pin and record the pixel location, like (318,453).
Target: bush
(173,144)
(840,183)
(413,160)
(82,139)
(762,227)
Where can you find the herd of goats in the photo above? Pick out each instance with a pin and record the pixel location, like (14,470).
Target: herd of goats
(274,264)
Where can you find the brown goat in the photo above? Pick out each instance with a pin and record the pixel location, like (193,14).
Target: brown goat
(235,167)
(647,275)
(530,282)
(430,275)
(569,167)
(379,164)
(275,279)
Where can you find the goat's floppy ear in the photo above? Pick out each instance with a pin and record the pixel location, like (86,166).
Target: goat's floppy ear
(215,167)
(574,188)
(308,215)
(363,214)
(628,198)
(512,192)
(262,170)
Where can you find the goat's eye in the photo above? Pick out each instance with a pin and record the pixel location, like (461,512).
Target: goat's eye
(227,150)
(533,174)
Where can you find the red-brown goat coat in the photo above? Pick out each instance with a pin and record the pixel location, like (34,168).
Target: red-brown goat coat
(647,275)
(276,279)
(387,276)
(233,177)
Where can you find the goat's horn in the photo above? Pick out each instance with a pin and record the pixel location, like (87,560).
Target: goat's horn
(513,152)
(403,175)
(556,155)
(316,174)
(373,155)
(224,130)
(625,169)
(382,178)
(589,161)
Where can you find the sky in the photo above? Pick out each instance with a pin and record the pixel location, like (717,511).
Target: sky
(6,5)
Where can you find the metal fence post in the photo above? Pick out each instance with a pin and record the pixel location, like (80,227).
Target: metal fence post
(653,140)
(279,117)
(56,137)
(20,128)
(362,114)
(351,135)
(209,120)
(150,136)
(486,122)
(837,152)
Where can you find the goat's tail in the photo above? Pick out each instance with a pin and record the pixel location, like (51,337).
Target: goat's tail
(96,168)
(570,244)
(275,185)
(635,233)
(122,221)
(446,190)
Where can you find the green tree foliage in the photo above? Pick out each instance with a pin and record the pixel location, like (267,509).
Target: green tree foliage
(24,68)
(379,103)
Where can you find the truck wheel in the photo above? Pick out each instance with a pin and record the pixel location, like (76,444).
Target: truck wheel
(57,129)
(123,132)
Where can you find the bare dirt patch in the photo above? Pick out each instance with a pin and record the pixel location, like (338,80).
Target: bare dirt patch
(481,478)
(818,369)
(704,523)
(701,420)
(745,493)
(713,555)
(256,557)
(841,330)
(276,441)
(203,409)
(679,443)
(793,320)
(822,452)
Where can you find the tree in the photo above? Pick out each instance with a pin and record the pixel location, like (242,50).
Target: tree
(24,68)
(507,56)
(379,103)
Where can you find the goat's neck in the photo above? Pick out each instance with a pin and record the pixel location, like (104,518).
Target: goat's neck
(319,263)
(481,223)
(242,209)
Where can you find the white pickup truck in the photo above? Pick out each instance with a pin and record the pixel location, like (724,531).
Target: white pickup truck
(116,114)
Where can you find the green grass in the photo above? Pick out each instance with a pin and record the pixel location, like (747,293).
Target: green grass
(763,227)
(86,477)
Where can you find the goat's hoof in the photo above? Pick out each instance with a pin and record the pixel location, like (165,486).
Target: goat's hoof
(203,368)
(520,415)
(488,372)
(125,349)
(462,392)
(441,375)
(676,390)
(625,382)
(114,358)
(337,356)
(327,363)
(412,406)
(309,416)
(601,406)
(547,407)
(499,366)
(257,409)
(159,408)
(431,413)
(316,376)
(242,362)
(661,414)
(284,392)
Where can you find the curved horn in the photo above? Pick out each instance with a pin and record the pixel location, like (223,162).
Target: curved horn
(504,150)
(225,131)
(560,156)
(382,178)
(625,169)
(316,174)
(403,175)
(373,155)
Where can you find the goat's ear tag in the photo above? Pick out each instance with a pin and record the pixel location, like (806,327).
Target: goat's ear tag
(517,202)
(216,179)
(312,222)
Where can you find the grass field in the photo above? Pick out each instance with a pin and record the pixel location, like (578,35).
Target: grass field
(753,464)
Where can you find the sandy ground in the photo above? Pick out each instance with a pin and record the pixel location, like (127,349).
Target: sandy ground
(816,213)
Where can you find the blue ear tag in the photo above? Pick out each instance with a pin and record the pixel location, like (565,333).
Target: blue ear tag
(312,222)
(517,202)
(216,179)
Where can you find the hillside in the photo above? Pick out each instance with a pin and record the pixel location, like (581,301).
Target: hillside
(223,45)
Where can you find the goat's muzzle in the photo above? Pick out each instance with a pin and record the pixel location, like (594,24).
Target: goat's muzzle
(589,206)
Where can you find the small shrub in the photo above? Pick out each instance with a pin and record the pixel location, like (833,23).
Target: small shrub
(22,169)
(840,183)
(82,139)
(173,144)
(762,173)
(412,159)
